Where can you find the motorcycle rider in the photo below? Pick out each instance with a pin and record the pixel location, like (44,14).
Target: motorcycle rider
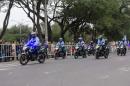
(101,41)
(61,44)
(34,42)
(46,48)
(81,43)
(124,43)
(91,44)
(91,48)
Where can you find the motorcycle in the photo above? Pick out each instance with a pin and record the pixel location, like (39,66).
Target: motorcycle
(121,50)
(30,54)
(102,51)
(80,51)
(90,50)
(59,52)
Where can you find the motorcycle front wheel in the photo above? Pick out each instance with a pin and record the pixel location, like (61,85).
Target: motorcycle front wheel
(76,55)
(97,55)
(118,53)
(23,59)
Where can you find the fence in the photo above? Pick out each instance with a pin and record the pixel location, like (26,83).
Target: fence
(11,51)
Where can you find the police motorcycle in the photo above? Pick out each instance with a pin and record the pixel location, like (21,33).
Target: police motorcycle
(121,50)
(102,51)
(31,53)
(80,51)
(90,50)
(59,52)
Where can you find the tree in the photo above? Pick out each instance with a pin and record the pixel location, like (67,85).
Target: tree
(35,11)
(13,33)
(6,20)
(104,14)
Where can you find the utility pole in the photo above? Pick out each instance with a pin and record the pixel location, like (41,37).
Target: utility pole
(20,27)
(46,30)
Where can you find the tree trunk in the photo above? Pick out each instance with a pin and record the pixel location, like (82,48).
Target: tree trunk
(62,30)
(34,18)
(49,32)
(61,34)
(76,35)
(6,20)
(38,23)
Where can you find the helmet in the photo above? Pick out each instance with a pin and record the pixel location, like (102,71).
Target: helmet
(91,41)
(100,37)
(80,39)
(60,39)
(33,34)
(123,40)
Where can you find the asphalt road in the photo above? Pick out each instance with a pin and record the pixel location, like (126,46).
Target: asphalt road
(114,71)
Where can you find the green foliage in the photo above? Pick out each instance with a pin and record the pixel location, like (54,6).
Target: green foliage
(56,33)
(13,33)
(104,14)
(13,37)
(16,29)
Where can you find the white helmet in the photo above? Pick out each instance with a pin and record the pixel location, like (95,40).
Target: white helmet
(33,33)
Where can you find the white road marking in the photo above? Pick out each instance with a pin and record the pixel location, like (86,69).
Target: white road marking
(50,72)
(125,69)
(10,73)
(4,69)
(27,84)
(104,77)
(121,59)
(7,66)
(47,73)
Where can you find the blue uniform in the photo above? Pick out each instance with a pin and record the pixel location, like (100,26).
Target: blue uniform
(33,43)
(124,40)
(81,43)
(61,44)
(101,42)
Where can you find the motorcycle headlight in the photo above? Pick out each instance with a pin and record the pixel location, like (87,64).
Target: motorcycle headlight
(97,47)
(24,48)
(76,47)
(121,46)
(89,48)
(117,47)
(56,48)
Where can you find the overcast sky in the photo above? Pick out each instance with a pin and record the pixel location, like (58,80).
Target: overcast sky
(17,17)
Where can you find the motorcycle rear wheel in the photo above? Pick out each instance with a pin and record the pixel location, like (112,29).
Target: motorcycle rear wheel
(56,56)
(41,58)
